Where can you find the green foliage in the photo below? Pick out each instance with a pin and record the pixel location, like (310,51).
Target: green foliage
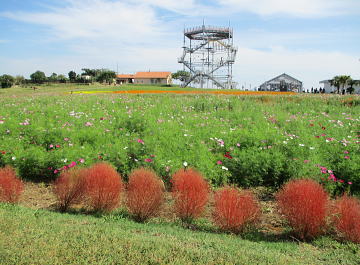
(181,75)
(6,81)
(106,76)
(19,80)
(242,140)
(72,76)
(38,77)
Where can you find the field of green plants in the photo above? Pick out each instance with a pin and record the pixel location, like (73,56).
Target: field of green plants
(244,140)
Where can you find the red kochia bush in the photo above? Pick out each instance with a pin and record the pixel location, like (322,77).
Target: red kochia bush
(10,186)
(346,218)
(145,194)
(304,204)
(191,192)
(103,186)
(69,188)
(235,210)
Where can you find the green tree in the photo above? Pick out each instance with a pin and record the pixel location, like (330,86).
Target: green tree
(351,84)
(336,83)
(53,77)
(72,76)
(38,77)
(19,80)
(91,72)
(343,80)
(6,81)
(340,81)
(106,76)
(62,78)
(181,75)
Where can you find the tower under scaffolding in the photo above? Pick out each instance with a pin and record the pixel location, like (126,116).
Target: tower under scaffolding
(209,54)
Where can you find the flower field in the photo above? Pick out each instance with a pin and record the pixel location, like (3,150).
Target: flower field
(247,140)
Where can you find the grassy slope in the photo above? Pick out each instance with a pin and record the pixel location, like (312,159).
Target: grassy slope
(44,237)
(59,88)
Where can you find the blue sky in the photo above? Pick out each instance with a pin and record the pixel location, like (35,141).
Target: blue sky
(311,40)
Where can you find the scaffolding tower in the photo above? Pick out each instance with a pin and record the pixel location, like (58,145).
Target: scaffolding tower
(209,54)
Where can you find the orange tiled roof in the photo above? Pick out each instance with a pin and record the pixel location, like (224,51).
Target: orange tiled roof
(125,76)
(152,74)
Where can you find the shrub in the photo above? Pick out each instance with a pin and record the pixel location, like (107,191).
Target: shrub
(235,210)
(304,204)
(10,186)
(103,186)
(145,194)
(69,188)
(191,193)
(346,218)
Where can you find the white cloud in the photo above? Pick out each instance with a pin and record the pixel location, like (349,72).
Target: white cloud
(96,19)
(255,66)
(299,8)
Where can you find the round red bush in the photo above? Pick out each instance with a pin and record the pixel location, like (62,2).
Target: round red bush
(304,204)
(145,194)
(103,187)
(69,188)
(191,193)
(10,186)
(235,210)
(346,218)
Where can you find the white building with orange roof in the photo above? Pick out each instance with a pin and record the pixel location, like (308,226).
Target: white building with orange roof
(146,78)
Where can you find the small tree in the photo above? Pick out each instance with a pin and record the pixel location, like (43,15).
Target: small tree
(106,76)
(340,81)
(181,75)
(62,78)
(53,77)
(6,81)
(38,77)
(72,76)
(336,83)
(19,80)
(351,84)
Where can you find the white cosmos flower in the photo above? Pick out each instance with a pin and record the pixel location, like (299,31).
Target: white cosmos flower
(185,164)
(224,168)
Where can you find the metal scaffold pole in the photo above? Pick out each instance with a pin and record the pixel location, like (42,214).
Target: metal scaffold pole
(209,55)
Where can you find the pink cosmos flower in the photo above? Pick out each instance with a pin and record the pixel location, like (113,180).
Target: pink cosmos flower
(88,124)
(72,164)
(341,181)
(349,182)
(306,161)
(81,160)
(346,157)
(346,152)
(51,146)
(56,171)
(140,141)
(148,160)
(219,162)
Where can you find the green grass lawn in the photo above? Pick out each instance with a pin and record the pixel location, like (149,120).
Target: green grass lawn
(44,237)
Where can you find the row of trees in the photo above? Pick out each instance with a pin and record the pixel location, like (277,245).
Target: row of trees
(345,82)
(39,77)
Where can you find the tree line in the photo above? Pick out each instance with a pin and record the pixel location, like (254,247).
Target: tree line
(344,83)
(39,77)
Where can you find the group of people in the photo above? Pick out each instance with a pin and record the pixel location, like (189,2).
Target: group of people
(315,91)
